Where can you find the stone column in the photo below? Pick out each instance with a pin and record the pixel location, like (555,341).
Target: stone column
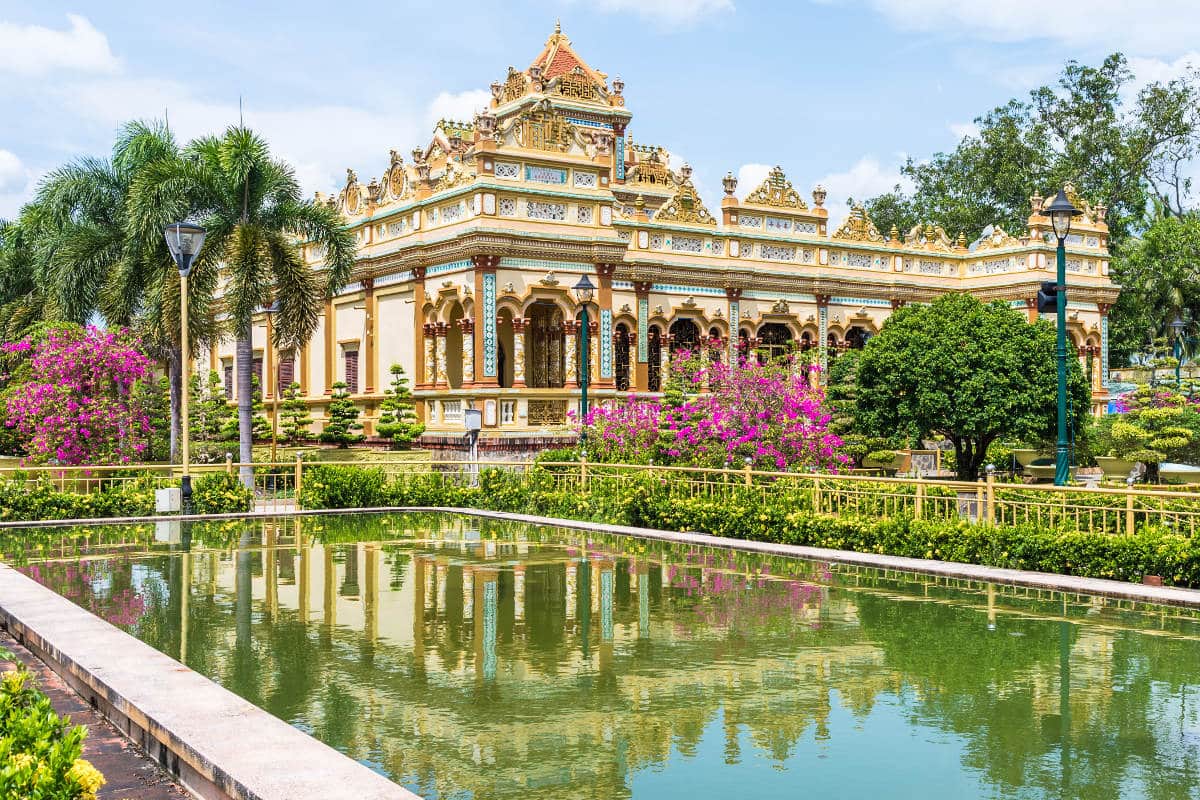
(664,361)
(570,342)
(468,351)
(606,377)
(485,345)
(641,356)
(1104,309)
(440,380)
(371,328)
(519,324)
(270,358)
(330,346)
(429,359)
(733,296)
(420,358)
(302,378)
(618,152)
(823,331)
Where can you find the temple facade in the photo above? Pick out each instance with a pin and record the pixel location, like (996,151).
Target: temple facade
(467,253)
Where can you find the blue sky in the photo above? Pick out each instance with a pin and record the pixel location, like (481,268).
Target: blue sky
(836,91)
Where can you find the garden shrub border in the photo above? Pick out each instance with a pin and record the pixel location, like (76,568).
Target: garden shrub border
(648,500)
(40,752)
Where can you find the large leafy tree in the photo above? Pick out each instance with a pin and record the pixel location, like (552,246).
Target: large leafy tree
(251,206)
(1120,148)
(90,259)
(968,371)
(1160,272)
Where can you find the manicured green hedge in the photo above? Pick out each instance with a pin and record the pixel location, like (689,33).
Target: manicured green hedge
(747,513)
(31,500)
(220,493)
(39,750)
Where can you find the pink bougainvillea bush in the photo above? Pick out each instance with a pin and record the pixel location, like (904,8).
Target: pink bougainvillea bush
(72,401)
(716,415)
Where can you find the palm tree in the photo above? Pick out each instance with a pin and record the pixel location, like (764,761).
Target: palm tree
(23,302)
(93,262)
(250,205)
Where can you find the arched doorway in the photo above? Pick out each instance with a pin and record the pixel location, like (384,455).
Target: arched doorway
(776,340)
(832,347)
(454,347)
(857,337)
(544,346)
(621,356)
(504,348)
(654,355)
(686,335)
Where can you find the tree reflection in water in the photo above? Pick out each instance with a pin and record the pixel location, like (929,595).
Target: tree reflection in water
(466,658)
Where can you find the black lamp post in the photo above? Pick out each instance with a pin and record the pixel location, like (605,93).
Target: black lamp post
(1061,212)
(1177,336)
(583,291)
(184,240)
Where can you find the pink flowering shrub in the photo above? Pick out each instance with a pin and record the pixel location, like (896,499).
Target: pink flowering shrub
(771,414)
(72,402)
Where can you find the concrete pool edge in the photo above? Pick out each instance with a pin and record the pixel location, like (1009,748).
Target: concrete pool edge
(1121,590)
(217,744)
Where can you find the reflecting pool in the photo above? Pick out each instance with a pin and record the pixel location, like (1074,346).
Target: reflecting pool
(467,658)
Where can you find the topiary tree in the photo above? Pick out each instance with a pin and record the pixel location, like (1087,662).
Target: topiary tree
(260,425)
(210,417)
(398,420)
(968,371)
(342,420)
(294,418)
(1157,425)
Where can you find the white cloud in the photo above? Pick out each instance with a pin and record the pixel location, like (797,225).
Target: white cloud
(33,50)
(1146,26)
(13,175)
(459,106)
(668,12)
(862,181)
(749,176)
(962,130)
(319,141)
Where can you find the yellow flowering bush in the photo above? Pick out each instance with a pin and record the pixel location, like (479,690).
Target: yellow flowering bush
(39,750)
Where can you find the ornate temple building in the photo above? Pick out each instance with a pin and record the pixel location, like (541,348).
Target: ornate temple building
(469,248)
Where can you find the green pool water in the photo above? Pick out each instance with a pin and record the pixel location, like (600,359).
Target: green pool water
(466,658)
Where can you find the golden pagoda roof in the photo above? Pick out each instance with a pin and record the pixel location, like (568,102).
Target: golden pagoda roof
(559,58)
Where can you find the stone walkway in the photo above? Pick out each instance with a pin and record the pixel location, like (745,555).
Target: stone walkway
(129,772)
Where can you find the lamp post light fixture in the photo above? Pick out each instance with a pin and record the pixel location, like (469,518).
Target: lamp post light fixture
(1061,212)
(269,349)
(1177,349)
(184,240)
(584,291)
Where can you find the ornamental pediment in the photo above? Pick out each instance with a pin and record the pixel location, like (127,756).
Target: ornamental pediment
(687,207)
(858,227)
(776,192)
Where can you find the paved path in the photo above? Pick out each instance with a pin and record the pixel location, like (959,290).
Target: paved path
(131,774)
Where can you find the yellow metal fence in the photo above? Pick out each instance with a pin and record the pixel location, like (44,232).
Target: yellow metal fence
(277,487)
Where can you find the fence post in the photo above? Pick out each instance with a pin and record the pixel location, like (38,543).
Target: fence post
(749,477)
(919,504)
(299,480)
(817,495)
(229,463)
(991,498)
(1129,512)
(979,510)
(583,474)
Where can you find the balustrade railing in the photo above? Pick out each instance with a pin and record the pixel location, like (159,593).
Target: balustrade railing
(1124,510)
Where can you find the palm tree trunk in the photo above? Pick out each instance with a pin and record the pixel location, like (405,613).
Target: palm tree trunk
(175,381)
(245,366)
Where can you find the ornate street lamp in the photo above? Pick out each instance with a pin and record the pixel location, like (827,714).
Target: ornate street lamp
(184,240)
(1061,212)
(1177,336)
(583,291)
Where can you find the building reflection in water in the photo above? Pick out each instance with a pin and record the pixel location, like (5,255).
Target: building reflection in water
(473,666)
